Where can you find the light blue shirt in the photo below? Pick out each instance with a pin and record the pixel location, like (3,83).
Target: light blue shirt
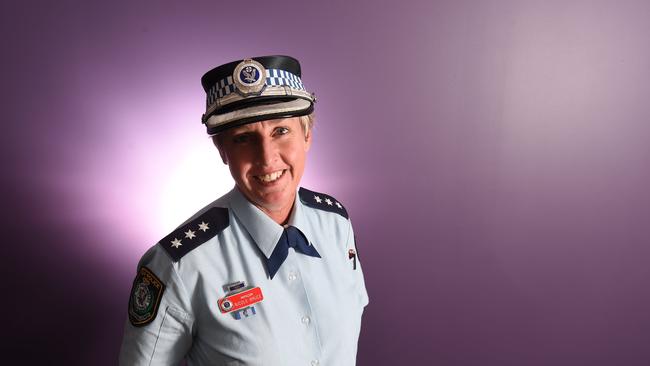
(312,308)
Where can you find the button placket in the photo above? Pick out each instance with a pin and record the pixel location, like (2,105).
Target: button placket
(305,317)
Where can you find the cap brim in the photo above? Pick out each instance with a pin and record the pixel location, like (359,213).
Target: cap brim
(293,108)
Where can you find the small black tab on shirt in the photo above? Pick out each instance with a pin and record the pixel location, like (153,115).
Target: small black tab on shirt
(322,201)
(189,236)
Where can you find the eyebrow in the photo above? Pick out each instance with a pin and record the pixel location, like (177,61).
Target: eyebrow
(247,127)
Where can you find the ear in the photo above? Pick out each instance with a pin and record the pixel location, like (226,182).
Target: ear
(308,134)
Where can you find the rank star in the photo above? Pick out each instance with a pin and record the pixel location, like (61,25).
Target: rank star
(203,226)
(176,243)
(338,205)
(329,201)
(318,199)
(190,234)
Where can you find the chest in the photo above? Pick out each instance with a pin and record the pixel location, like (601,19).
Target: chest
(311,310)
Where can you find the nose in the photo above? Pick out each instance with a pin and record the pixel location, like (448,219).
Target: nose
(266,152)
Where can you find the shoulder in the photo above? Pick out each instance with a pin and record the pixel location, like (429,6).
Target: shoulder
(202,227)
(322,201)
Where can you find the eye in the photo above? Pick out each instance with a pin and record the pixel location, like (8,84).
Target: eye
(241,138)
(281,131)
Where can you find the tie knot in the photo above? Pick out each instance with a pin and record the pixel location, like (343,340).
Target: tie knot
(294,237)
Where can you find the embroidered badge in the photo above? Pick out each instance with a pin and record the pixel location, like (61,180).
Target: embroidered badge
(145,297)
(240,300)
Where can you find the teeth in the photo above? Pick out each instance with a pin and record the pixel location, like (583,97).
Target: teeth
(270,177)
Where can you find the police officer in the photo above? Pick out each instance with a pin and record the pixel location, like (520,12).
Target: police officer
(267,274)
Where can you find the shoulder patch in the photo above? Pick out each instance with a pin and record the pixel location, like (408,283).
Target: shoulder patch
(322,201)
(196,232)
(146,294)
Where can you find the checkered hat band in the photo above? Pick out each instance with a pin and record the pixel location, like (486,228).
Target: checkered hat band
(281,77)
(274,77)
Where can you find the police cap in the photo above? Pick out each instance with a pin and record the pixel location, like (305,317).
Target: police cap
(252,90)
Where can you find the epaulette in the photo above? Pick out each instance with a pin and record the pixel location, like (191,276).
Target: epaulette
(321,201)
(196,232)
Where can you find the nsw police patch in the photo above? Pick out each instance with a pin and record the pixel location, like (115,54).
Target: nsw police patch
(145,297)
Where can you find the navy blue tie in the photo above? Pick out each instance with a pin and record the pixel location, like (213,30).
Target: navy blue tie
(291,237)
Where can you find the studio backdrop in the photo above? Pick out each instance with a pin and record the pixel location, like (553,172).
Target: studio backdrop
(493,157)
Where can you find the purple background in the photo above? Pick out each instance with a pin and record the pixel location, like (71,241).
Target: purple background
(493,154)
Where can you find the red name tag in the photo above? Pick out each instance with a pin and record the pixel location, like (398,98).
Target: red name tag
(240,300)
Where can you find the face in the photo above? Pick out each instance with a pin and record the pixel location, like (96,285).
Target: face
(267,160)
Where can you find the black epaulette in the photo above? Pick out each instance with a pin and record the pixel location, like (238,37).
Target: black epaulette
(322,201)
(196,232)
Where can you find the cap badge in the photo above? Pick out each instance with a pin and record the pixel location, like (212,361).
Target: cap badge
(249,77)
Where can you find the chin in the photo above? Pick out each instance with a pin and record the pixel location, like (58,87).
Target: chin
(276,200)
(270,198)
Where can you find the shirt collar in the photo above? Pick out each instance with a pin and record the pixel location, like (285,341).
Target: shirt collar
(264,231)
(298,219)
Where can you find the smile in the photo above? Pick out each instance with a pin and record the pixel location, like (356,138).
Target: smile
(272,177)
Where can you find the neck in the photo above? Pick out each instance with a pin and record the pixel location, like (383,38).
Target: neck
(280,216)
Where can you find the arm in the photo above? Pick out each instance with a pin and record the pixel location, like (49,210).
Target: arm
(159,328)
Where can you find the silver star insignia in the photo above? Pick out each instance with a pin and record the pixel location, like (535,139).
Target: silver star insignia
(190,234)
(329,201)
(176,243)
(203,226)
(338,205)
(318,199)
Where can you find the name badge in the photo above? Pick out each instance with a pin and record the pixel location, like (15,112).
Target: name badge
(240,300)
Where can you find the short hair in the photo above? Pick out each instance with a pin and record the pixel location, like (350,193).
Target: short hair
(306,121)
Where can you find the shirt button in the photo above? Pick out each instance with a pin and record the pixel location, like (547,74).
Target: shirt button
(292,276)
(315,363)
(305,320)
